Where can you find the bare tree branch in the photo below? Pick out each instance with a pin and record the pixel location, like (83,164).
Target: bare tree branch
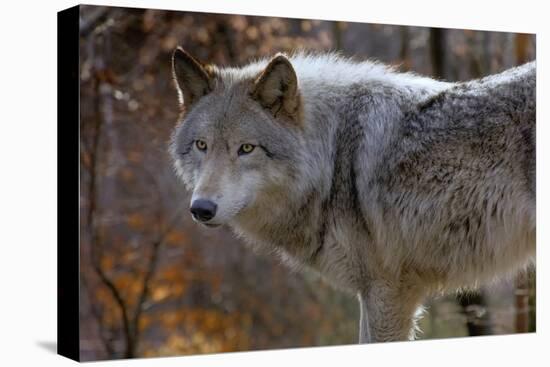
(151,268)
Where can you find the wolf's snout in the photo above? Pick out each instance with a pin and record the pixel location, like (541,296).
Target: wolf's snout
(203,210)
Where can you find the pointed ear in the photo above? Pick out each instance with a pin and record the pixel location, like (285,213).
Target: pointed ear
(277,87)
(192,80)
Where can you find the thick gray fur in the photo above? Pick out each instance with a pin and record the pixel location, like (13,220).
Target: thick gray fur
(390,185)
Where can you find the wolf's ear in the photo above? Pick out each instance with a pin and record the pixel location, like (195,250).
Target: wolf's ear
(192,80)
(277,87)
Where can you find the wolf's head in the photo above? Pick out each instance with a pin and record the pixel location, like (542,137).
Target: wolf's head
(237,145)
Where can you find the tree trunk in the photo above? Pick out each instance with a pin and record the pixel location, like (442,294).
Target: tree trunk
(437,52)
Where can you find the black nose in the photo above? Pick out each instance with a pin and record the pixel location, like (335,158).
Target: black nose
(203,210)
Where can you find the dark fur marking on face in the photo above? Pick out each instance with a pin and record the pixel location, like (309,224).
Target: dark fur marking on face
(187,148)
(267,152)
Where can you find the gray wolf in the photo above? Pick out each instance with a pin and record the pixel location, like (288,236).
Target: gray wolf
(390,185)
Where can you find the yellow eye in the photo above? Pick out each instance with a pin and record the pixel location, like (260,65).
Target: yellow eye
(201,144)
(246,148)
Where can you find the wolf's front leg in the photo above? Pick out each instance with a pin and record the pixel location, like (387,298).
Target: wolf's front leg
(387,312)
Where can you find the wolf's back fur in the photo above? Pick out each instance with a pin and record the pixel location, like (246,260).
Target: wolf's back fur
(398,186)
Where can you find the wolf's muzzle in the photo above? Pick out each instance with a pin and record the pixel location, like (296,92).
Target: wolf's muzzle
(203,210)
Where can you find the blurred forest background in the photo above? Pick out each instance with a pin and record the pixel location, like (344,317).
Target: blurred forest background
(155,284)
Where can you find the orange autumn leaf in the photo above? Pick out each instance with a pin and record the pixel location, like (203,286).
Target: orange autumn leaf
(135,156)
(126,174)
(160,293)
(136,221)
(175,237)
(107,263)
